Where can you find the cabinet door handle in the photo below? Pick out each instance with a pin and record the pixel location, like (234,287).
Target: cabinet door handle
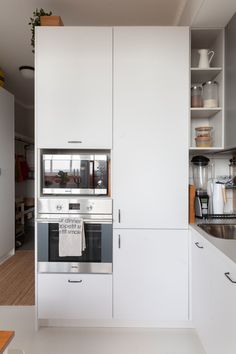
(74,281)
(197,244)
(74,142)
(119,241)
(227,274)
(119,216)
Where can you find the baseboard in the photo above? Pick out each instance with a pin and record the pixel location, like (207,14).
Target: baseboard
(114,323)
(10,254)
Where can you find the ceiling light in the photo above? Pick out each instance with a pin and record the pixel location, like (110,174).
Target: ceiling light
(27,72)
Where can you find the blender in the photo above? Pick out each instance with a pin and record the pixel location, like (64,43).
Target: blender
(200,178)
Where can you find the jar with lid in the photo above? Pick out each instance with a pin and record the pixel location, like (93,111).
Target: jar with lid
(196,96)
(232,170)
(210,94)
(203,136)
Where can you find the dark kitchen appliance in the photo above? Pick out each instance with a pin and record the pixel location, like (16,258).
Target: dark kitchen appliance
(200,178)
(97,218)
(74,173)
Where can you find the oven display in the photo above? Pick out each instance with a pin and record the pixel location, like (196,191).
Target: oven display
(74,206)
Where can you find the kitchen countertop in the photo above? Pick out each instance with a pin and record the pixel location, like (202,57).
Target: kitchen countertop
(228,247)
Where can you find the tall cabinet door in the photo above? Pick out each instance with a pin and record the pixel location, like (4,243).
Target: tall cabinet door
(150,275)
(7,178)
(74,87)
(151,105)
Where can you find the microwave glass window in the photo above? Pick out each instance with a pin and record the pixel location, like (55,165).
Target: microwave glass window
(74,172)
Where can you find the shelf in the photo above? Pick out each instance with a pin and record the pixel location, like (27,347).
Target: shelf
(210,149)
(202,75)
(204,112)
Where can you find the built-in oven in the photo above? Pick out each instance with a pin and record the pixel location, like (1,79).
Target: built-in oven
(74,172)
(97,225)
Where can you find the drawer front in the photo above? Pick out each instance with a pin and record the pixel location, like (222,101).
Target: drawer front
(74,296)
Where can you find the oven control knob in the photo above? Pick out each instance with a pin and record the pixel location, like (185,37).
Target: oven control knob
(90,207)
(59,207)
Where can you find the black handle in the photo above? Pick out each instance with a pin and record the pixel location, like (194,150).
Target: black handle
(119,216)
(227,276)
(74,281)
(119,241)
(197,244)
(74,141)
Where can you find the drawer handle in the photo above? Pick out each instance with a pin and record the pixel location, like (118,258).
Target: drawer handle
(228,276)
(197,244)
(74,142)
(74,281)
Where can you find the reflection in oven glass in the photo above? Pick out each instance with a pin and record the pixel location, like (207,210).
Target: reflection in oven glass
(98,244)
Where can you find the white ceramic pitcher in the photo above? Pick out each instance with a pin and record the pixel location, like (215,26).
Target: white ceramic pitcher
(205,58)
(218,197)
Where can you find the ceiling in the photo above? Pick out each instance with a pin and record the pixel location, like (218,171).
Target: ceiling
(15,32)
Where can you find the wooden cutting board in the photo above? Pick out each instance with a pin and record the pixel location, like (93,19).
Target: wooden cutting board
(5,339)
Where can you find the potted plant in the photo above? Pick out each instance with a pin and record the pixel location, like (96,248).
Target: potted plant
(42,18)
(62,178)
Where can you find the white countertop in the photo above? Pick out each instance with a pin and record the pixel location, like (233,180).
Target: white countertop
(228,247)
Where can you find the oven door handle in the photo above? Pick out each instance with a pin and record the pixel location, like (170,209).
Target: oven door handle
(86,221)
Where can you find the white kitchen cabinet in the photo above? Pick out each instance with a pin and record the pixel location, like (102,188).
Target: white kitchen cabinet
(214,310)
(150,275)
(73,71)
(74,296)
(150,129)
(7,178)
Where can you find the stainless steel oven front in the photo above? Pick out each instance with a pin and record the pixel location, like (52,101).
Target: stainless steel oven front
(97,256)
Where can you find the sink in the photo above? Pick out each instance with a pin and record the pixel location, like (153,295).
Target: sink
(225,231)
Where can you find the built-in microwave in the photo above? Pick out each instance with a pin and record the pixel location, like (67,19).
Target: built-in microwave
(74,173)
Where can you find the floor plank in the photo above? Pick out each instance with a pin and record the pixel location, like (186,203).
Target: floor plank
(17,279)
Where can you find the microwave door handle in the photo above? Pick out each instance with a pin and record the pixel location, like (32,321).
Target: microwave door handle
(91,174)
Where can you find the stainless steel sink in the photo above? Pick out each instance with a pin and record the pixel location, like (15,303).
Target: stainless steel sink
(225,231)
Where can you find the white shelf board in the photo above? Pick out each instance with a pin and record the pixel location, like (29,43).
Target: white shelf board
(194,148)
(204,112)
(202,75)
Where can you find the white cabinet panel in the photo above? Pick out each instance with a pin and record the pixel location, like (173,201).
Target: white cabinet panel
(74,87)
(214,310)
(150,273)
(74,296)
(151,115)
(7,178)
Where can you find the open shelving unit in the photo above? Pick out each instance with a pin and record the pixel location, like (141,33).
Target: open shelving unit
(212,39)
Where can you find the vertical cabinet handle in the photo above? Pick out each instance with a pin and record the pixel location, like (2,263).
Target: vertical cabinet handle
(228,277)
(119,216)
(197,244)
(118,241)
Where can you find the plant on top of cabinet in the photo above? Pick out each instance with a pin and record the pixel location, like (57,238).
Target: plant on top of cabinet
(35,21)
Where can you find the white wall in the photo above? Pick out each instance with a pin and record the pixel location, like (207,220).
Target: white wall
(24,125)
(24,120)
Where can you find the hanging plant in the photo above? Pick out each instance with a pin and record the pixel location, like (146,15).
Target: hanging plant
(35,21)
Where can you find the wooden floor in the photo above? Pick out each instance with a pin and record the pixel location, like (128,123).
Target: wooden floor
(17,279)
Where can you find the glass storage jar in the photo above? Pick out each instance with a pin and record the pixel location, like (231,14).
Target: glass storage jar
(203,136)
(210,94)
(196,96)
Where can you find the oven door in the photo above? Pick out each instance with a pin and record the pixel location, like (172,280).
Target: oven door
(96,258)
